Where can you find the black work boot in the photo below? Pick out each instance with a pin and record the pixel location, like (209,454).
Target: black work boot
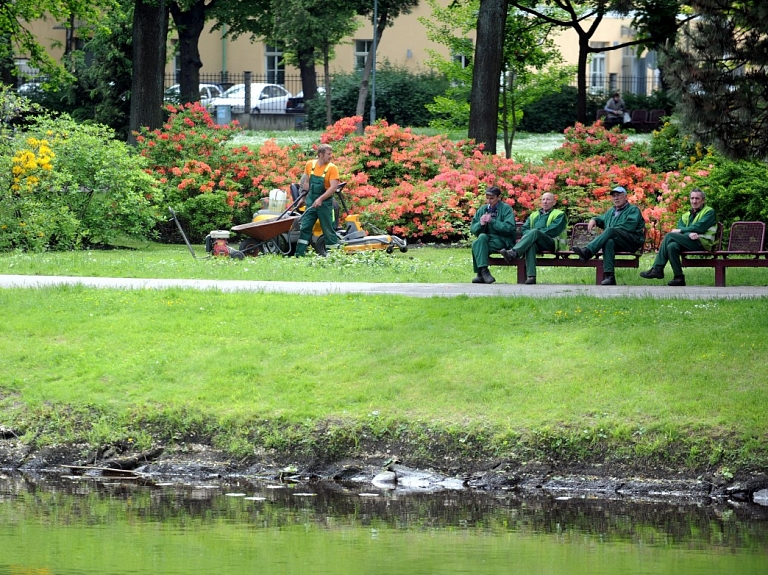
(677,281)
(654,273)
(478,279)
(530,280)
(583,253)
(508,255)
(608,280)
(486,275)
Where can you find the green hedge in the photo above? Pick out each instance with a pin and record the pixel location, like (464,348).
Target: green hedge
(401,97)
(556,112)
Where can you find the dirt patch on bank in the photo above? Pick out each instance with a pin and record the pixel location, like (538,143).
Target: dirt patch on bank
(388,469)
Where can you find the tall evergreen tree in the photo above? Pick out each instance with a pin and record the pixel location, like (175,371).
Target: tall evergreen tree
(719,68)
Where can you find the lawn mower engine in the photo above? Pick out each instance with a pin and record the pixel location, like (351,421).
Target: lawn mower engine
(216,244)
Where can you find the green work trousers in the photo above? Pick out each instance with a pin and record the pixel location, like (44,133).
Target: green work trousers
(669,251)
(483,246)
(611,241)
(325,214)
(533,241)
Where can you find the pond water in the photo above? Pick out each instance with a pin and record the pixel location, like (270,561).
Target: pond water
(82,526)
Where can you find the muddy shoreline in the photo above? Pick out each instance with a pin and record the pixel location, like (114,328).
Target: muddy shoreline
(191,462)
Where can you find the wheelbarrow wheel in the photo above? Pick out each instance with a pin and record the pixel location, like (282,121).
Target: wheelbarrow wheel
(279,245)
(251,247)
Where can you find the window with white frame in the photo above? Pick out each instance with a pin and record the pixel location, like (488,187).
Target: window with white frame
(461,59)
(597,76)
(275,65)
(362,47)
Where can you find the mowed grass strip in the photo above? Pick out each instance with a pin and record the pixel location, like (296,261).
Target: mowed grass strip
(428,264)
(517,364)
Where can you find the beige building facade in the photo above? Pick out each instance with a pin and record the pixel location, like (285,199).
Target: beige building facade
(405,44)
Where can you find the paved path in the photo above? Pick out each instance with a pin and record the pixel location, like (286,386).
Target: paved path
(414,290)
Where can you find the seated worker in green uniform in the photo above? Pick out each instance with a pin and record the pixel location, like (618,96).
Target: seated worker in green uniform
(624,231)
(695,231)
(544,230)
(320,179)
(494,226)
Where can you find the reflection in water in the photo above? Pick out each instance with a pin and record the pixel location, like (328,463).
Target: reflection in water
(77,525)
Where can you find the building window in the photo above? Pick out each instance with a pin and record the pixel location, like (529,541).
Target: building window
(362,47)
(461,60)
(275,65)
(597,76)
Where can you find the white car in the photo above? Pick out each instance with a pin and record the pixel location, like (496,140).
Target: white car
(207,93)
(265,99)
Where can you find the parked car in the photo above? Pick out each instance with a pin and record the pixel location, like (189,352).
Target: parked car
(33,88)
(207,93)
(295,105)
(265,98)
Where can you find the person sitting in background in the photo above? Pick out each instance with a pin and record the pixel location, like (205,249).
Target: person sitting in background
(495,228)
(695,231)
(616,110)
(544,230)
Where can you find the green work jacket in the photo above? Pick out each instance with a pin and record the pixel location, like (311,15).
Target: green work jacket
(704,223)
(630,219)
(503,224)
(553,225)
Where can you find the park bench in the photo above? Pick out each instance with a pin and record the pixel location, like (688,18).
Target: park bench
(746,249)
(580,237)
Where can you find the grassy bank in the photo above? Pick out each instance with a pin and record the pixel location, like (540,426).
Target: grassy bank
(574,379)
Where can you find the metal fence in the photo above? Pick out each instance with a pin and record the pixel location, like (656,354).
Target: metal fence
(596,84)
(225,80)
(609,83)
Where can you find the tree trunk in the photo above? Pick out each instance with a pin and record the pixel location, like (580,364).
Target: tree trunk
(150,28)
(327,81)
(484,100)
(581,82)
(363,94)
(190,24)
(308,73)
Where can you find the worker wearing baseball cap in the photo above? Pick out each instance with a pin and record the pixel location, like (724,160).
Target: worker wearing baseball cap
(624,231)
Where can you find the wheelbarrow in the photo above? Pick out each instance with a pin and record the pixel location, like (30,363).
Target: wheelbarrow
(270,234)
(267,236)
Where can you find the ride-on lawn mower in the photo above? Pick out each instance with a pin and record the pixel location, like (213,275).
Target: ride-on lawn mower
(353,237)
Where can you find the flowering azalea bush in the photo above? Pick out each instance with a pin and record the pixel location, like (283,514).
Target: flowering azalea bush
(190,157)
(422,187)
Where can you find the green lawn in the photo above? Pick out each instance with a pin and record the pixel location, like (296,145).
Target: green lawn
(425,264)
(526,147)
(675,380)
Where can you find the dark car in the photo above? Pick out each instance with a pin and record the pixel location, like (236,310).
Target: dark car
(295,105)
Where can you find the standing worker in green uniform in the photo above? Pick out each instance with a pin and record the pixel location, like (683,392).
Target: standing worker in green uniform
(544,230)
(495,228)
(624,231)
(695,231)
(320,179)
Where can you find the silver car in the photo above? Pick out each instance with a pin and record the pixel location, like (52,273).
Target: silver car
(265,98)
(207,93)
